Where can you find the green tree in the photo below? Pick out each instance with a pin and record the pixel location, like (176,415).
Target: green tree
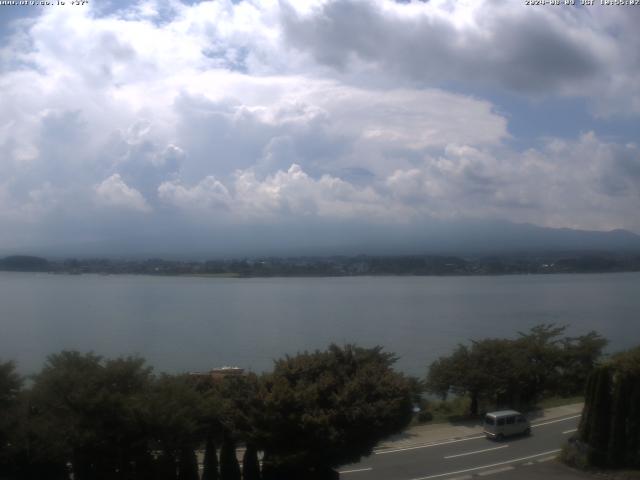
(210,467)
(250,463)
(579,357)
(90,410)
(174,416)
(610,423)
(600,421)
(239,406)
(328,408)
(619,418)
(66,409)
(187,464)
(10,393)
(229,467)
(540,357)
(517,372)
(488,371)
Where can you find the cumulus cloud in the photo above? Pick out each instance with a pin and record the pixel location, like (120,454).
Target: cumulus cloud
(336,110)
(113,192)
(209,194)
(582,183)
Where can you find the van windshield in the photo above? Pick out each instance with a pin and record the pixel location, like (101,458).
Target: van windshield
(489,420)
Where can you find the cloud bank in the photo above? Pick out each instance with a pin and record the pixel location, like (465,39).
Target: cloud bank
(160,117)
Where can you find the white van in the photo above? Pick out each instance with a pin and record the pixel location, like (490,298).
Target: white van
(505,423)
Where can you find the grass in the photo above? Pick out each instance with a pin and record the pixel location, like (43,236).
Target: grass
(559,401)
(457,409)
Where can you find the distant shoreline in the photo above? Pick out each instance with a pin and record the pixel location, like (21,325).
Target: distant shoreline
(319,275)
(340,266)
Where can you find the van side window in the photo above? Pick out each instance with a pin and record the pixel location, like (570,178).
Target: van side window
(501,421)
(511,420)
(521,419)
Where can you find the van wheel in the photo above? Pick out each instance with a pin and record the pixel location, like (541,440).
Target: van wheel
(500,437)
(527,432)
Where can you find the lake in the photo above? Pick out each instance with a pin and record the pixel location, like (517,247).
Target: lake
(194,324)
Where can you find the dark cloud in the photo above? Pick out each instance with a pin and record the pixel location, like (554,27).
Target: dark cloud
(515,48)
(621,175)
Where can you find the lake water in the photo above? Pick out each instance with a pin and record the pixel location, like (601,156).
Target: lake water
(194,324)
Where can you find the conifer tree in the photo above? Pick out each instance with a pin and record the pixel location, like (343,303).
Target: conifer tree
(632,449)
(611,418)
(601,420)
(250,464)
(167,468)
(229,467)
(210,470)
(619,417)
(187,464)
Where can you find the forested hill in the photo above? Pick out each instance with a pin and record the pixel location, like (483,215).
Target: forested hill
(565,262)
(25,263)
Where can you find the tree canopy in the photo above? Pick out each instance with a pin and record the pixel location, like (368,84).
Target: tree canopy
(328,408)
(111,419)
(610,423)
(517,372)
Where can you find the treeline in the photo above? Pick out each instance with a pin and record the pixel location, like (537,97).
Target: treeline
(86,417)
(517,373)
(89,418)
(609,432)
(339,266)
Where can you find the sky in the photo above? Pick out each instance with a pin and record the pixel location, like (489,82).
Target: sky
(220,127)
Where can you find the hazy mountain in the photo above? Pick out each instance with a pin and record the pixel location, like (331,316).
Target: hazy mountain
(438,237)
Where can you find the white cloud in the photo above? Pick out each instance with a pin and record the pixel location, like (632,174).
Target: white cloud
(113,192)
(209,194)
(286,194)
(581,183)
(263,111)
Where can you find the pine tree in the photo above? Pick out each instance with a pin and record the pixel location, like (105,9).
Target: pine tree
(268,470)
(250,464)
(610,425)
(210,471)
(144,465)
(619,417)
(584,430)
(188,464)
(166,467)
(632,448)
(601,418)
(229,467)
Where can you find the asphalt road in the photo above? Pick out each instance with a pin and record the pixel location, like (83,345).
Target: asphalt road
(465,457)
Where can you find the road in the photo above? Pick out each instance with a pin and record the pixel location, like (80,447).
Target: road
(465,457)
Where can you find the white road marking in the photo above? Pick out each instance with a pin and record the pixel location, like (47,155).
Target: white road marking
(546,459)
(495,470)
(429,445)
(356,470)
(477,451)
(556,421)
(570,431)
(487,466)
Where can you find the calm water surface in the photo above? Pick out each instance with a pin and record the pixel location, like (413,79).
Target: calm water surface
(192,324)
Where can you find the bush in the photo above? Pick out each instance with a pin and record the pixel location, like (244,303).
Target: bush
(425,416)
(575,454)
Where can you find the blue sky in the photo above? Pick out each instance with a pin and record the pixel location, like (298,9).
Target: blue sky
(159,122)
